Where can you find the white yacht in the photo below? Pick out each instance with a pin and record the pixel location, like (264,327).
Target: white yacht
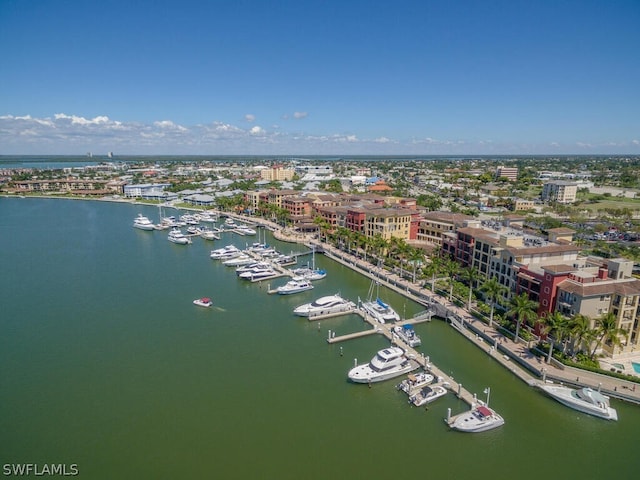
(295,285)
(209,234)
(310,272)
(324,306)
(585,400)
(408,335)
(143,223)
(251,266)
(388,363)
(238,261)
(225,252)
(258,273)
(479,419)
(176,236)
(428,394)
(245,230)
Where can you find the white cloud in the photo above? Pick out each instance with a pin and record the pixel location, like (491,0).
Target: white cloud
(299,115)
(250,117)
(73,134)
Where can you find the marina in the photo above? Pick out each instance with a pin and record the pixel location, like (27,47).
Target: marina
(156,363)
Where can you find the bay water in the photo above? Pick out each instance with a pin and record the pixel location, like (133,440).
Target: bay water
(106,363)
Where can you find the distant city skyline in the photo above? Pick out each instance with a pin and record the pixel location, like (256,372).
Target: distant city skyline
(320,78)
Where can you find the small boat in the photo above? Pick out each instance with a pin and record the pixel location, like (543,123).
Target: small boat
(176,236)
(408,335)
(143,223)
(479,419)
(329,304)
(415,381)
(585,400)
(310,273)
(209,234)
(428,394)
(245,230)
(203,302)
(379,310)
(295,285)
(387,363)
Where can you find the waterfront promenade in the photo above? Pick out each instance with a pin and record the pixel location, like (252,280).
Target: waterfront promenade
(515,356)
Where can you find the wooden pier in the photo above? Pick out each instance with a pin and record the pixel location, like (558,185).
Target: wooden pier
(387,330)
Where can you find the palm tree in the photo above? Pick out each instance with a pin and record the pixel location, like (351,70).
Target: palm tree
(552,325)
(451,268)
(471,275)
(578,330)
(415,255)
(606,330)
(523,309)
(493,290)
(431,269)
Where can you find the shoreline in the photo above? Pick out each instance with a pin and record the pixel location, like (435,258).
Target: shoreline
(514,356)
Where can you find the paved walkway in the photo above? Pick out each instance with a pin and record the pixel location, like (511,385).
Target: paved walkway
(513,355)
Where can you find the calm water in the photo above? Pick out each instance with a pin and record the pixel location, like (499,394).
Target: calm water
(105,363)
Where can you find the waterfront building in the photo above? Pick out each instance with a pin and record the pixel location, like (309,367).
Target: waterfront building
(433,225)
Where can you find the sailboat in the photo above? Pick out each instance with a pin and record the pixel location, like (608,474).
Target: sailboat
(310,273)
(379,310)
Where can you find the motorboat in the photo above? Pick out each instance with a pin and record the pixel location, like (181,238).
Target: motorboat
(203,302)
(585,400)
(408,335)
(258,273)
(209,234)
(238,261)
(176,236)
(479,419)
(380,311)
(415,381)
(329,304)
(428,394)
(388,363)
(245,230)
(295,285)
(143,223)
(251,266)
(225,252)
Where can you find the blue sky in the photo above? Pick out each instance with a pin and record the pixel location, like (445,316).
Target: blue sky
(319,77)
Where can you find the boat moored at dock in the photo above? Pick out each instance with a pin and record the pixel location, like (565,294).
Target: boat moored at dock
(388,363)
(143,223)
(295,285)
(408,335)
(427,394)
(585,400)
(327,305)
(177,237)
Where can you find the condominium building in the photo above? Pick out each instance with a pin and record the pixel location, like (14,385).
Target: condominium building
(510,173)
(559,191)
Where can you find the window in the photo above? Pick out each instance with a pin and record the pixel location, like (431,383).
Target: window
(546,290)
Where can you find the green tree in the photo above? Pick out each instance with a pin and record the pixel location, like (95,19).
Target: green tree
(493,290)
(523,309)
(471,276)
(607,331)
(552,325)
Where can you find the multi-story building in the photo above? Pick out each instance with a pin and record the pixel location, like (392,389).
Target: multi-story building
(510,173)
(433,225)
(559,191)
(597,291)
(277,173)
